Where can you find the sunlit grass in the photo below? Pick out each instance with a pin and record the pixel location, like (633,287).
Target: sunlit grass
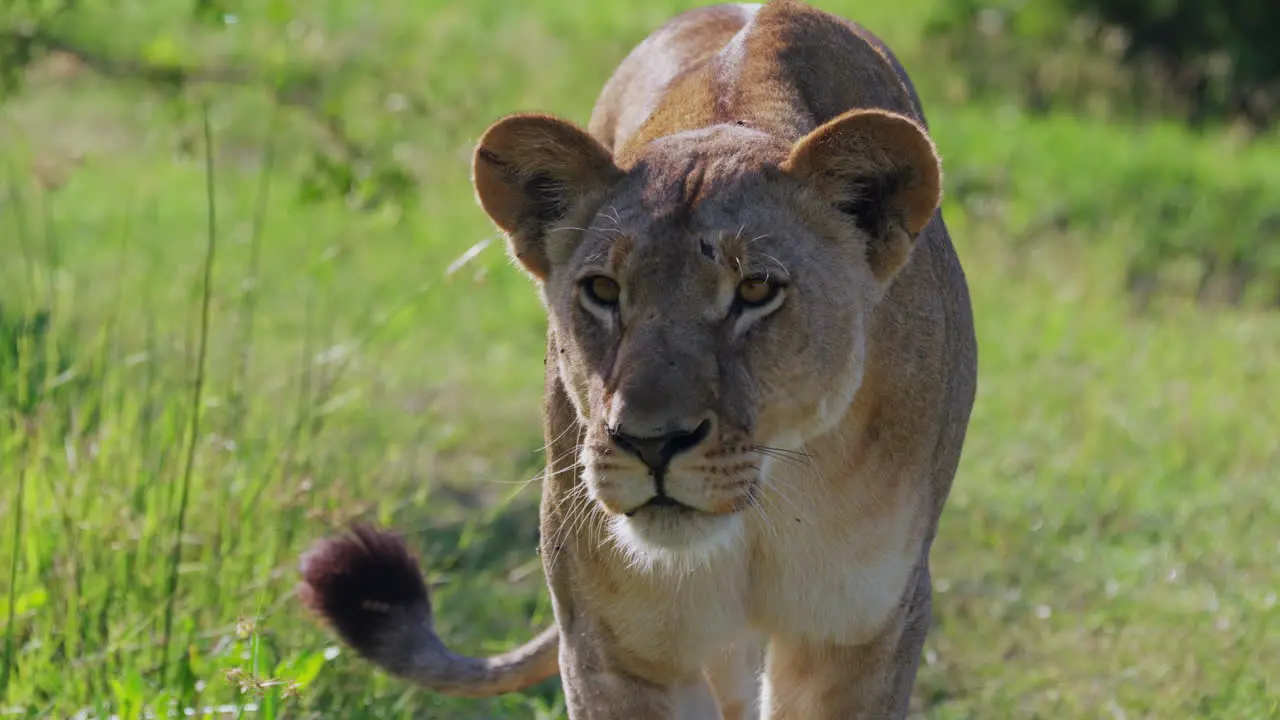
(1109,546)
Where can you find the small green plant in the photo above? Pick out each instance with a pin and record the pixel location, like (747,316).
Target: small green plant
(26,364)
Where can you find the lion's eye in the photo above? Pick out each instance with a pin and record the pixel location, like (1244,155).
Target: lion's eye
(754,292)
(602,290)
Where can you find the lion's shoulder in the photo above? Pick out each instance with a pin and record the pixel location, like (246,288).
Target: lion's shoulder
(783,67)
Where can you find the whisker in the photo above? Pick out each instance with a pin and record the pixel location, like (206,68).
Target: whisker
(578,506)
(799,463)
(581,517)
(754,501)
(593,228)
(577,515)
(569,468)
(784,451)
(778,486)
(782,454)
(559,437)
(776,261)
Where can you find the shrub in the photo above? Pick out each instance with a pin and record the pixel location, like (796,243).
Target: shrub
(1221,52)
(1199,60)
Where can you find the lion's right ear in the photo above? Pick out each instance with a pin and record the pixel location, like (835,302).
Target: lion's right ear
(532,171)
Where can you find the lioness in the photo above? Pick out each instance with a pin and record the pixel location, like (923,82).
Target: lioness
(760,367)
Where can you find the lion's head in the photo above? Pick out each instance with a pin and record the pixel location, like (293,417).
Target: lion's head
(709,295)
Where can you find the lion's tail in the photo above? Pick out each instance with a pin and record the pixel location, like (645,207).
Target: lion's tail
(369,588)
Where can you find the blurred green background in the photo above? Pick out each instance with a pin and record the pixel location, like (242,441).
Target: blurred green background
(1112,183)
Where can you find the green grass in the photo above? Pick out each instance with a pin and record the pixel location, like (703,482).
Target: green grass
(1109,549)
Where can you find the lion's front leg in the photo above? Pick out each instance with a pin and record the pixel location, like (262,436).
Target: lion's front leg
(597,687)
(614,662)
(823,681)
(734,676)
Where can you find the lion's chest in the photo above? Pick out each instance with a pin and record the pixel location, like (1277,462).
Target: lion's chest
(672,619)
(821,572)
(821,568)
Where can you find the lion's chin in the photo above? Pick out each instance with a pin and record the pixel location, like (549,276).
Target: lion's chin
(675,538)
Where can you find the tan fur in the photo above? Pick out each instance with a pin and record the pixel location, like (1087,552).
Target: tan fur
(818,435)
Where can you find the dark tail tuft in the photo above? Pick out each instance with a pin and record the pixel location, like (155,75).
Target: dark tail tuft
(368,587)
(364,584)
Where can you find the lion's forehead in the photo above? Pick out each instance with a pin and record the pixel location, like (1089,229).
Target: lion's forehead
(673,176)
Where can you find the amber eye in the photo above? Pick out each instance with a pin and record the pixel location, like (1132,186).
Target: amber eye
(602,290)
(754,292)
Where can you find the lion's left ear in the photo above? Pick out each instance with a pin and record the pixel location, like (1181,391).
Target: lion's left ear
(882,169)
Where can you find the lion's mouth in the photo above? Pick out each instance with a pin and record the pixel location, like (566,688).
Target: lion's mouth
(665,502)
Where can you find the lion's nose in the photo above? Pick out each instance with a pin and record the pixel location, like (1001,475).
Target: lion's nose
(656,451)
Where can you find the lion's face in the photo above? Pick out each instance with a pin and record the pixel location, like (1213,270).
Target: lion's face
(709,303)
(705,322)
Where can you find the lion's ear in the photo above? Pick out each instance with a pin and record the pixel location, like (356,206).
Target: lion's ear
(880,168)
(531,171)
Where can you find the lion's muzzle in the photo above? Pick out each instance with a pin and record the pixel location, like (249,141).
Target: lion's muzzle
(657,451)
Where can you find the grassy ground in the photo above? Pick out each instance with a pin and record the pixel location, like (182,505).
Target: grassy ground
(1109,549)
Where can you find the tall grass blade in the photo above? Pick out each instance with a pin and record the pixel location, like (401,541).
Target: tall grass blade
(197,392)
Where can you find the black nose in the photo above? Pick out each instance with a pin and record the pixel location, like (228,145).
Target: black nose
(657,451)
